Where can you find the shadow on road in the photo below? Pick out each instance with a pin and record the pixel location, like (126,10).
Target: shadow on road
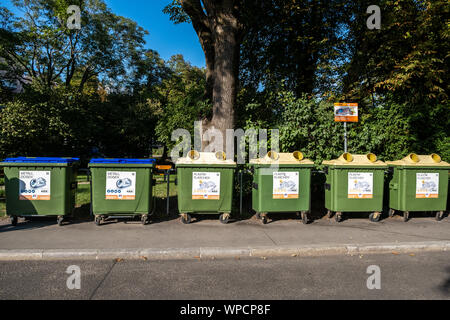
(445,287)
(80,215)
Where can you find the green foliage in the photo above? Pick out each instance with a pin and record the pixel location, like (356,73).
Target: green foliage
(23,127)
(307,124)
(398,75)
(97,92)
(45,123)
(296,42)
(407,58)
(176,12)
(184,100)
(40,46)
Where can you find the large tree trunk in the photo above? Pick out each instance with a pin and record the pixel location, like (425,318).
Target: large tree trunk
(218,28)
(226,67)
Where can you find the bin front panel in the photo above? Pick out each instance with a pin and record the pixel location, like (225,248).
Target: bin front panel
(60,201)
(188,202)
(265,198)
(406,189)
(104,202)
(340,198)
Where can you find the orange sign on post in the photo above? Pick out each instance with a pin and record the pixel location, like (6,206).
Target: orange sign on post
(164,167)
(346,112)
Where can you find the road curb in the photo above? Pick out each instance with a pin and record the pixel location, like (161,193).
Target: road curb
(222,253)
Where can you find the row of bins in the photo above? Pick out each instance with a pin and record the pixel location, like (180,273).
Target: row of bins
(281,184)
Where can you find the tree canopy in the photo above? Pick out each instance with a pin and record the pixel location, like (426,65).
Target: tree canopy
(278,64)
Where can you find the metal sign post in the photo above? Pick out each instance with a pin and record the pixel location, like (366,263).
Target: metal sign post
(345,138)
(346,112)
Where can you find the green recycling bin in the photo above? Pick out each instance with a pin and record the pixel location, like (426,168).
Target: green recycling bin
(354,183)
(40,187)
(419,183)
(205,185)
(282,184)
(121,188)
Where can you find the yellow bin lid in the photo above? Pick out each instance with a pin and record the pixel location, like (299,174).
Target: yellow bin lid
(414,160)
(283,158)
(352,160)
(205,158)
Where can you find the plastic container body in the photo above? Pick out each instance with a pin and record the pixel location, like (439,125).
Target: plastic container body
(40,186)
(122,187)
(418,189)
(282,190)
(340,183)
(205,189)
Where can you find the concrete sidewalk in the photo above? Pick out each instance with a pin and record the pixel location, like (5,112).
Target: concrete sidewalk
(208,238)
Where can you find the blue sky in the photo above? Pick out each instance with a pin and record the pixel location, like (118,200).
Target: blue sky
(165,37)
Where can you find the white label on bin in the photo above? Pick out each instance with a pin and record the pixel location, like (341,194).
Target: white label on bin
(285,185)
(206,186)
(427,185)
(120,185)
(360,185)
(34,185)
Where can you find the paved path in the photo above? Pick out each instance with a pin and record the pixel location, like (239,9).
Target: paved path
(210,233)
(209,238)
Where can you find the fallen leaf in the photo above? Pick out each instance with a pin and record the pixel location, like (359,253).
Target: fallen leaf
(294,255)
(412,255)
(119,260)
(144,258)
(197,258)
(395,253)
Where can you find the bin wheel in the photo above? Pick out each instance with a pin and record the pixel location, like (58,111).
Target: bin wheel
(375,217)
(440,216)
(391,213)
(14,221)
(145,220)
(264,219)
(186,218)
(338,217)
(98,221)
(258,216)
(60,221)
(304,216)
(406,216)
(329,214)
(224,218)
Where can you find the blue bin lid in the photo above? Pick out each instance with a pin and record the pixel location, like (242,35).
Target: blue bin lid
(123,161)
(41,160)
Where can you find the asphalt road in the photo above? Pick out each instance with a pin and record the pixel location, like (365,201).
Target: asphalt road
(403,276)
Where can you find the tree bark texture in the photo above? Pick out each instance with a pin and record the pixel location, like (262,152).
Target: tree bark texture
(217,25)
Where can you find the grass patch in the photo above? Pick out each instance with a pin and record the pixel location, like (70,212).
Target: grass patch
(2,208)
(160,190)
(83,196)
(82,178)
